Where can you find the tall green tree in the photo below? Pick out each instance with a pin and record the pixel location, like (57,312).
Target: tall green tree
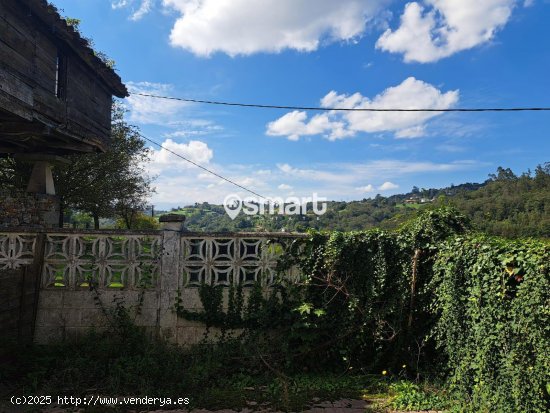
(108,184)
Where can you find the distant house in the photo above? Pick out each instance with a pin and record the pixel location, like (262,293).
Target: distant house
(55,93)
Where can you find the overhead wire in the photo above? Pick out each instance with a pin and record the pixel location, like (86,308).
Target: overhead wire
(330,109)
(204,168)
(312,108)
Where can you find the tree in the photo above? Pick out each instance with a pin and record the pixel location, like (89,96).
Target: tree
(503,175)
(110,183)
(139,221)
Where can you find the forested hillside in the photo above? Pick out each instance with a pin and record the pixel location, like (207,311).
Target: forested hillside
(510,205)
(505,204)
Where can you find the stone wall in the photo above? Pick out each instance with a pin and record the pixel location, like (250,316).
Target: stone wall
(28,210)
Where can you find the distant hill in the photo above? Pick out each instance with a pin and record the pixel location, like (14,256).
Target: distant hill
(510,205)
(505,204)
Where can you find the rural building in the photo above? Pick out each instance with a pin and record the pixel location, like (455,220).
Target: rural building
(55,92)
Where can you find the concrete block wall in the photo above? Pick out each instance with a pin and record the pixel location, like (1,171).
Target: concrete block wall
(17,304)
(66,314)
(66,309)
(19,292)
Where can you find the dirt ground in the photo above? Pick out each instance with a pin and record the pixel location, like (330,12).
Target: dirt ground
(340,406)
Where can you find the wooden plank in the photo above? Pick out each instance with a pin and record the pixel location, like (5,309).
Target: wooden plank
(12,105)
(46,45)
(18,63)
(17,16)
(45,62)
(88,95)
(22,128)
(25,45)
(43,20)
(10,144)
(45,74)
(89,136)
(87,123)
(46,103)
(102,111)
(38,49)
(36,71)
(15,87)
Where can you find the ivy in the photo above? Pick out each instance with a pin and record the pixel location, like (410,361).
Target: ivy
(448,303)
(493,310)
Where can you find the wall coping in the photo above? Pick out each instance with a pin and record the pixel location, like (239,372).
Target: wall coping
(122,232)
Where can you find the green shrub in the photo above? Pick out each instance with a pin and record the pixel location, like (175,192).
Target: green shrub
(139,221)
(411,396)
(493,309)
(362,302)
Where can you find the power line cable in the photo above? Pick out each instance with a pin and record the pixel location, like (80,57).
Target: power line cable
(328,109)
(311,108)
(205,168)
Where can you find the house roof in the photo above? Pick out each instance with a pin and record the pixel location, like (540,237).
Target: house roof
(49,15)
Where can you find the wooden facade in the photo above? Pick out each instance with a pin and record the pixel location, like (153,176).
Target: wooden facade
(55,93)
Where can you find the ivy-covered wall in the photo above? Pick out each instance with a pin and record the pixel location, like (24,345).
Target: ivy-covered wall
(432,300)
(492,305)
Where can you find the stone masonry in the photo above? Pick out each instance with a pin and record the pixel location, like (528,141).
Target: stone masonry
(28,210)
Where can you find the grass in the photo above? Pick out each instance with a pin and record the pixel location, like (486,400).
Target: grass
(128,362)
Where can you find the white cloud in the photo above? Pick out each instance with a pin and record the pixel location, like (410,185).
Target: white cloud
(387,186)
(284,187)
(148,110)
(193,128)
(412,132)
(429,29)
(243,27)
(162,160)
(440,28)
(393,168)
(182,185)
(119,4)
(286,168)
(368,188)
(144,7)
(294,124)
(411,93)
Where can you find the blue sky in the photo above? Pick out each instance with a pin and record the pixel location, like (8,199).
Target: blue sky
(347,53)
